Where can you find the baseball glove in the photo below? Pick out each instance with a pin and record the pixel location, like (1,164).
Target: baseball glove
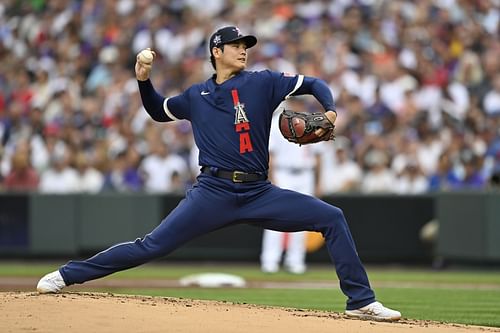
(304,128)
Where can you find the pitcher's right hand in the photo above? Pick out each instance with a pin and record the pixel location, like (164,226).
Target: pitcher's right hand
(142,67)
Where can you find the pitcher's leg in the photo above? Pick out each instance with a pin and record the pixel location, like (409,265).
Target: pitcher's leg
(194,216)
(352,275)
(285,210)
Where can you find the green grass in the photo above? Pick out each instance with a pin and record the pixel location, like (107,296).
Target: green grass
(316,273)
(466,306)
(454,296)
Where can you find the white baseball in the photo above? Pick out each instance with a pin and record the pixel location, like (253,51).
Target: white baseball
(146,56)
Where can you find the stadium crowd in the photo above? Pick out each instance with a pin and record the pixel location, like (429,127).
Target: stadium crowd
(417,87)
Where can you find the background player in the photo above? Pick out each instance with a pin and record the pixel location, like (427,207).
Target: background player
(295,168)
(231,116)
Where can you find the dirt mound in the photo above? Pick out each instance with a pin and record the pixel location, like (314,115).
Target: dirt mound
(99,312)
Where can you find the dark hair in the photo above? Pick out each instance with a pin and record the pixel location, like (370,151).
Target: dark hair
(212,59)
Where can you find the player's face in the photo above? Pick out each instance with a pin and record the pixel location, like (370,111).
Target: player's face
(234,56)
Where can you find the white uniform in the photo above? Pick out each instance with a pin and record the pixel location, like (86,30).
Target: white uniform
(292,167)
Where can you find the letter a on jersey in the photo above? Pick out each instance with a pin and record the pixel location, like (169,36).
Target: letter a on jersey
(242,125)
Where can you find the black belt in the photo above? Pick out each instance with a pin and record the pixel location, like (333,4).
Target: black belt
(234,176)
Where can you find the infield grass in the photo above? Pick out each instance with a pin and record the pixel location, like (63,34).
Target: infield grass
(454,296)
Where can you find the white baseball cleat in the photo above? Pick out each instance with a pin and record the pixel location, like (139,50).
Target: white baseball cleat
(51,283)
(374,311)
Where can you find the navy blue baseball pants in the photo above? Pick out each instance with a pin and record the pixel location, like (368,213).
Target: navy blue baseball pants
(214,203)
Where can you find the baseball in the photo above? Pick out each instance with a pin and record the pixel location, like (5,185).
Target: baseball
(146,56)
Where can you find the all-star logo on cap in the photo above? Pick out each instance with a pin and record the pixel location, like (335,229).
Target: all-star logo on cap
(217,40)
(230,34)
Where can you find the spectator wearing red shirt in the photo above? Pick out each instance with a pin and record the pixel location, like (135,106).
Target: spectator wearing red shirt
(22,176)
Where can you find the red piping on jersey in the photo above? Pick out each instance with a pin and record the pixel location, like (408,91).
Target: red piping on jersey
(236,99)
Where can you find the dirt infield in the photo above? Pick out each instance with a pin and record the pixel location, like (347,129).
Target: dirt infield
(101,312)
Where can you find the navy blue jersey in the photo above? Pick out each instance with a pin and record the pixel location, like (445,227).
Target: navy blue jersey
(231,121)
(231,125)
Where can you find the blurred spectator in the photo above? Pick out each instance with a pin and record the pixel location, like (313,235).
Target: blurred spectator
(22,176)
(379,177)
(472,179)
(161,167)
(342,174)
(411,180)
(444,178)
(490,66)
(424,70)
(90,180)
(60,177)
(101,75)
(492,98)
(123,175)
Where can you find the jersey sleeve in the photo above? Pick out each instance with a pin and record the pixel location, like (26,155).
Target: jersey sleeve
(284,85)
(178,107)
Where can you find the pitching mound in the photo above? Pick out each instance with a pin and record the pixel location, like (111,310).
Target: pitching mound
(93,312)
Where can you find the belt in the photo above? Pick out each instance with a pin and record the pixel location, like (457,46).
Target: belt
(234,176)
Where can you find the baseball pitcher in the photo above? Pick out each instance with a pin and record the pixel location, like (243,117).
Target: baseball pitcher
(231,116)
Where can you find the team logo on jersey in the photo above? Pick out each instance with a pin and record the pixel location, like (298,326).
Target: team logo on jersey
(240,116)
(241,124)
